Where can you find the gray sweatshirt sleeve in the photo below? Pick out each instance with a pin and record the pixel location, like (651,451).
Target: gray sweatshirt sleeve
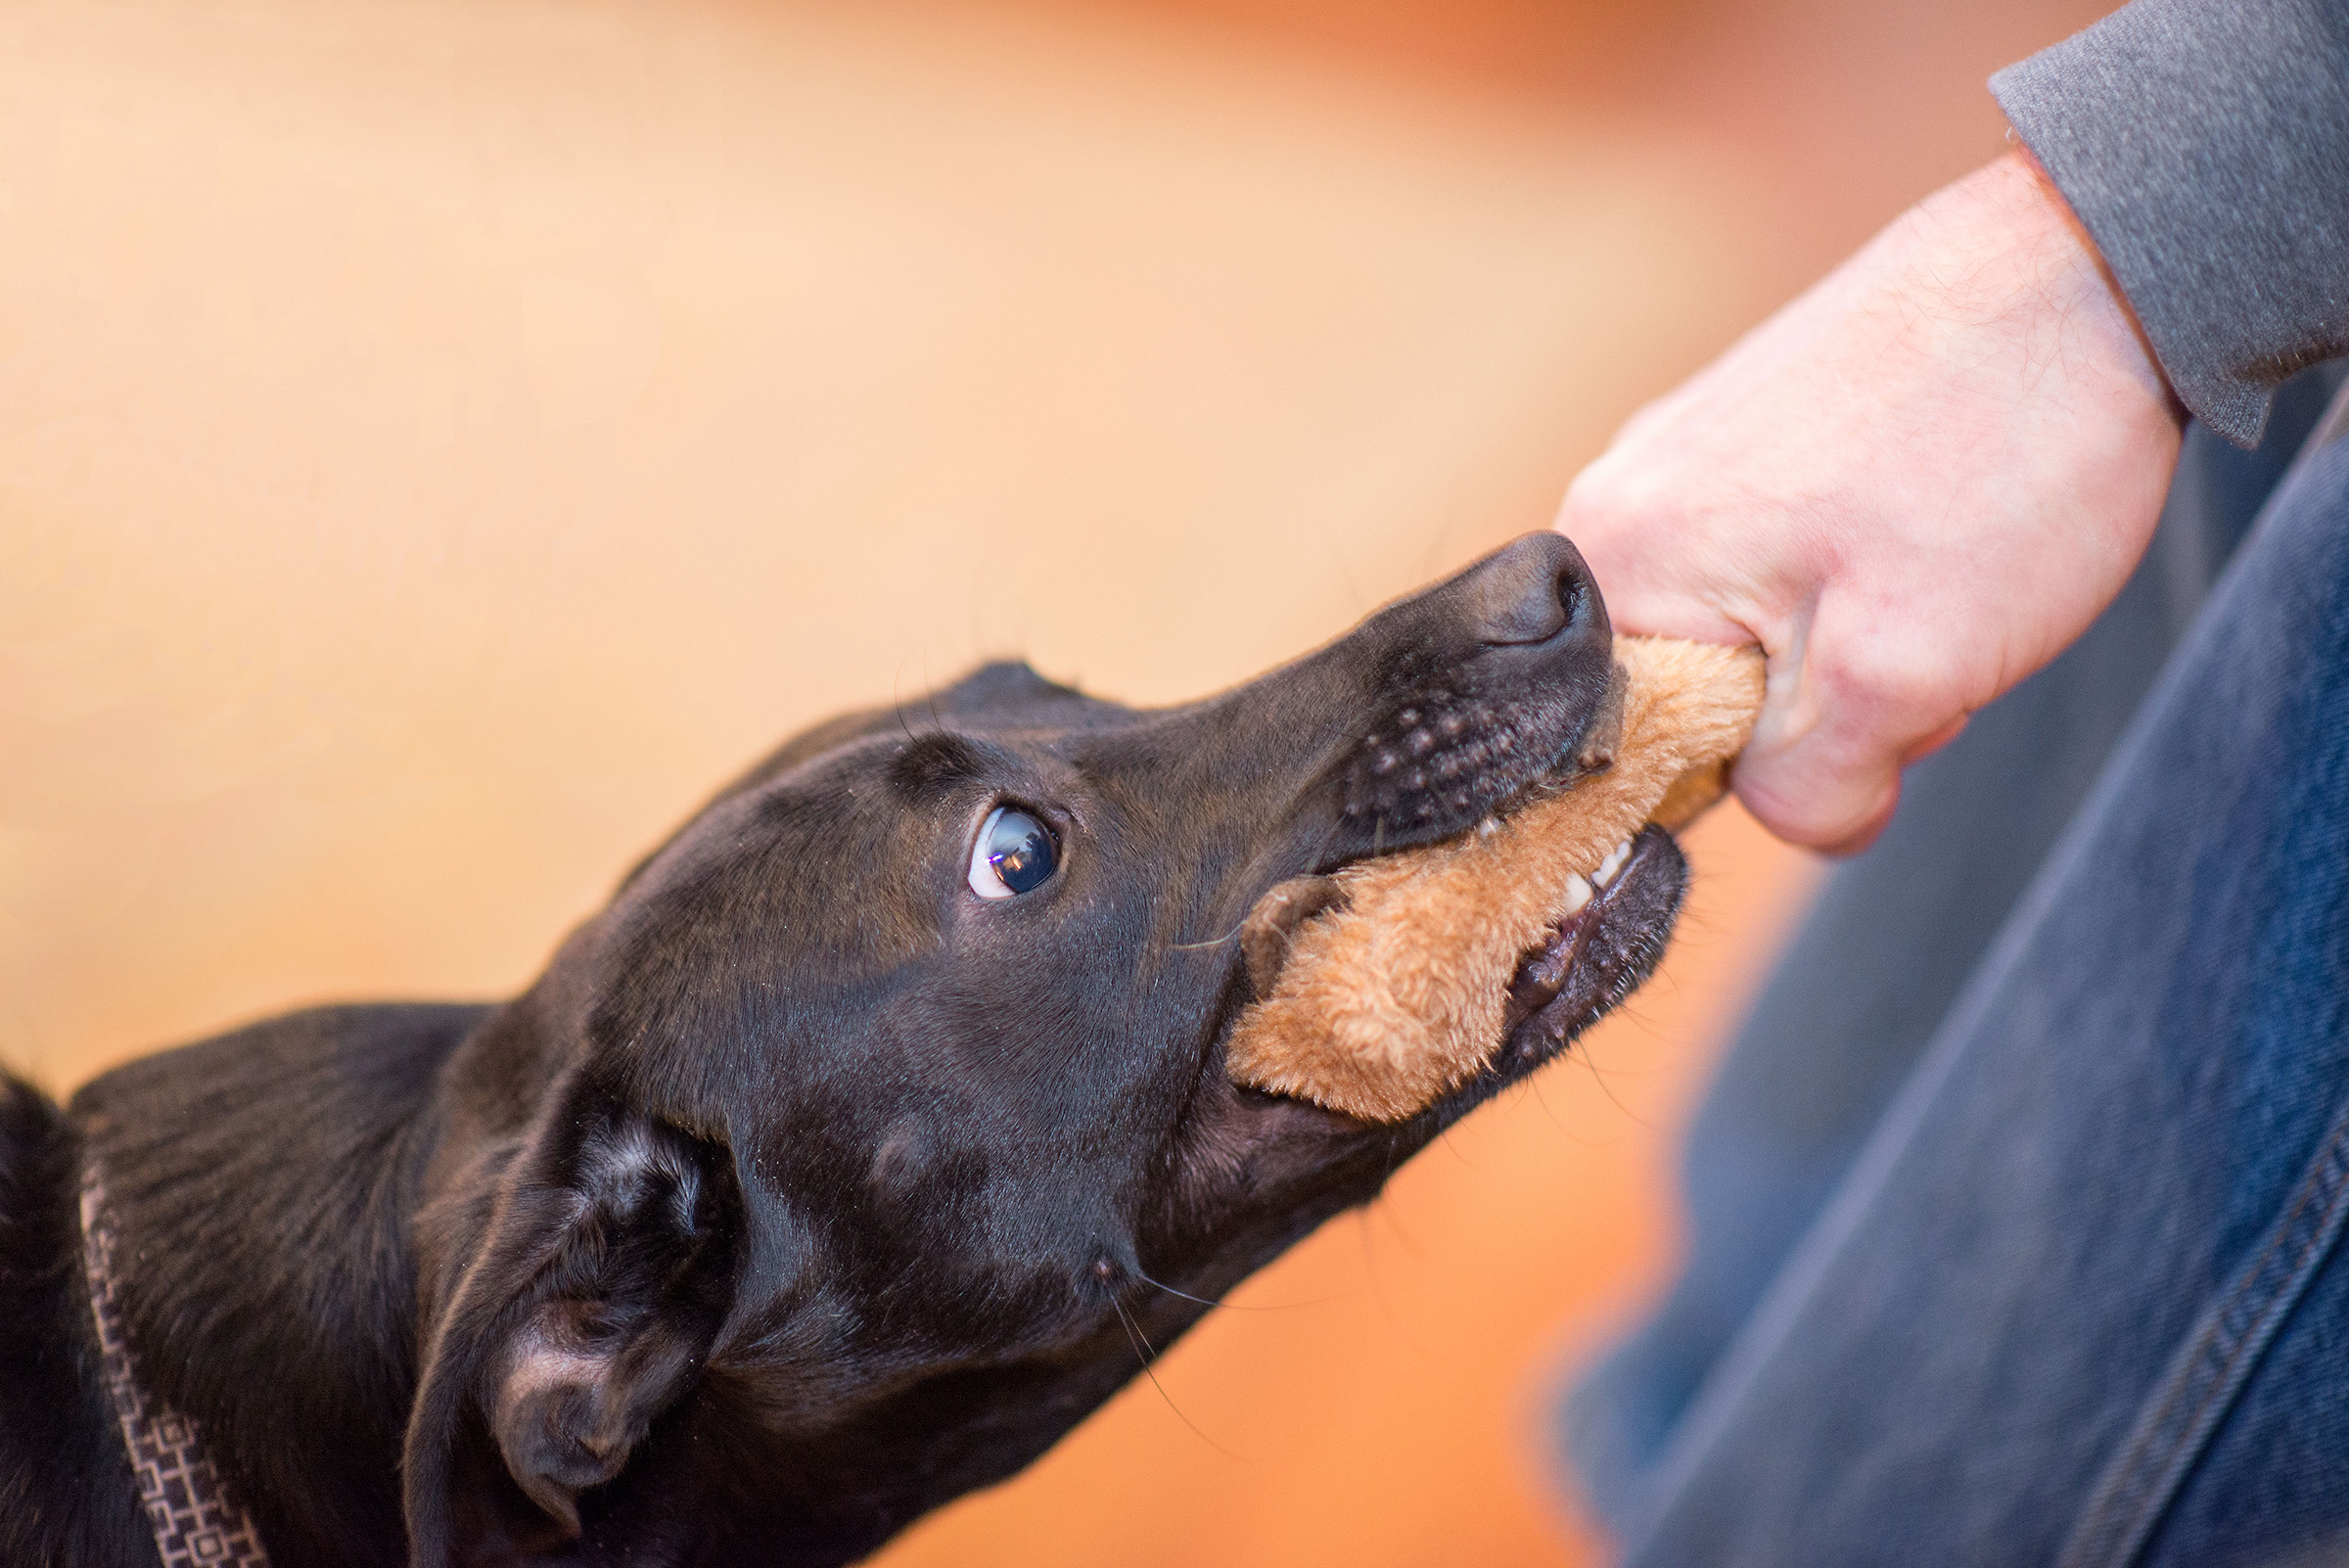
(2205,145)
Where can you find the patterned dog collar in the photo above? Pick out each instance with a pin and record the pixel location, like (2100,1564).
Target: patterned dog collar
(198,1522)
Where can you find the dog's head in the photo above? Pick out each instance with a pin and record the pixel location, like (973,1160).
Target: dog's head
(858,1150)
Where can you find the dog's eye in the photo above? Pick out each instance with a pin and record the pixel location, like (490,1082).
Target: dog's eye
(1015,853)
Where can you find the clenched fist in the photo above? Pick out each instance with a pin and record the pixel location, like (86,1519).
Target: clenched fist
(1912,487)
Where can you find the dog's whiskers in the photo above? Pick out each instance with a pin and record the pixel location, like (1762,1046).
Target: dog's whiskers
(1171,1291)
(1232,1307)
(897,704)
(1211,941)
(1143,1350)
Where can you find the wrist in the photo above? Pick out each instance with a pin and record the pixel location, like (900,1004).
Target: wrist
(2021,250)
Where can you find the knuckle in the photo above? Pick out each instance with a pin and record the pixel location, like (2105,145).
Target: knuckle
(1615,491)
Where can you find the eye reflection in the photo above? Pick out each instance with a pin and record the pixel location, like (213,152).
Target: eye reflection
(1014,853)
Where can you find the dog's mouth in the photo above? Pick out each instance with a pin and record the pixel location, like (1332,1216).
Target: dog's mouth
(1600,952)
(1407,980)
(1619,918)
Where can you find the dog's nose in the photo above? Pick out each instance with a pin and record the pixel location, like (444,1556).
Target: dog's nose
(1530,592)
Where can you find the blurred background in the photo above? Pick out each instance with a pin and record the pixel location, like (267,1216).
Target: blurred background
(440,442)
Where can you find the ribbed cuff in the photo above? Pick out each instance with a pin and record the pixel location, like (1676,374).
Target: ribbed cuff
(2204,144)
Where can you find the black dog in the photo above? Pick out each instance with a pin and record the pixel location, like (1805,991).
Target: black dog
(831,1171)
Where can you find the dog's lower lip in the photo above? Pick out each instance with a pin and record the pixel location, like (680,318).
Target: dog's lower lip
(1544,970)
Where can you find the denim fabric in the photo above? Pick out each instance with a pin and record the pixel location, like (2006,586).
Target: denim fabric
(2079,1293)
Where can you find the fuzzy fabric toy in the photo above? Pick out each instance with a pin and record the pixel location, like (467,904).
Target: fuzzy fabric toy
(1396,992)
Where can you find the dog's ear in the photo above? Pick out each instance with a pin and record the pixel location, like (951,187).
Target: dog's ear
(585,1311)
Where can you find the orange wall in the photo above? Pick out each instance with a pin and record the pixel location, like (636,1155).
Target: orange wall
(439,441)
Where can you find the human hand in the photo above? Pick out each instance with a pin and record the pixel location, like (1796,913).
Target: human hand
(1912,487)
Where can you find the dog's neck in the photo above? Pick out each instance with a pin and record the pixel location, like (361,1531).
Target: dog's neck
(199,1519)
(259,1192)
(71,1496)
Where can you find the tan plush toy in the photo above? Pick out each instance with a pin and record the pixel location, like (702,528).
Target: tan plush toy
(1397,992)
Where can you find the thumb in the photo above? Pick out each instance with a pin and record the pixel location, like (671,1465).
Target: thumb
(1816,801)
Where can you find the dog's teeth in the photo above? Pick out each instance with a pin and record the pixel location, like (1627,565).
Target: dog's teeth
(1612,863)
(1578,893)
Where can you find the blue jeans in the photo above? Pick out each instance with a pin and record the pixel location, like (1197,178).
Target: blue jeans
(2016,1209)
